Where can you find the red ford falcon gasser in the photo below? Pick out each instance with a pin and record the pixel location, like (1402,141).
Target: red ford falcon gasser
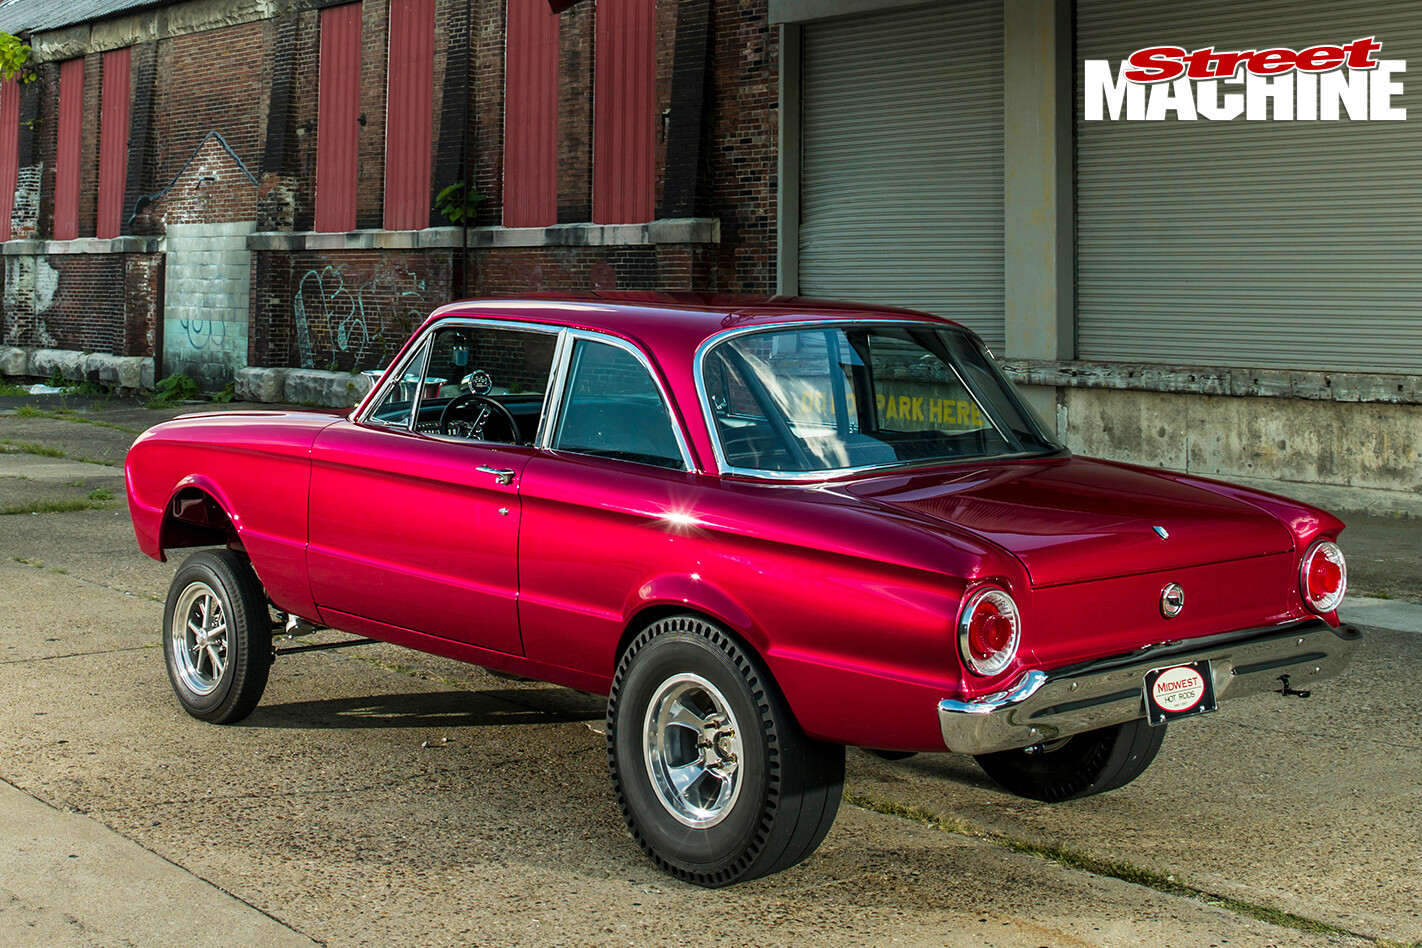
(766,530)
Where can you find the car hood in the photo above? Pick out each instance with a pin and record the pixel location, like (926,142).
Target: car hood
(1075,519)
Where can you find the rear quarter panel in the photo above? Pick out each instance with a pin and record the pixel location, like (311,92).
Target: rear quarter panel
(854,610)
(256,465)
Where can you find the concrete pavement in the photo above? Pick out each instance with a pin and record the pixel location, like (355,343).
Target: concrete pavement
(340,814)
(67,879)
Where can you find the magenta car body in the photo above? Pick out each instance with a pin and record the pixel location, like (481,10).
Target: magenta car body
(844,585)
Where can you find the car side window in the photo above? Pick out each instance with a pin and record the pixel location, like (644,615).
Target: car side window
(397,407)
(612,408)
(486,383)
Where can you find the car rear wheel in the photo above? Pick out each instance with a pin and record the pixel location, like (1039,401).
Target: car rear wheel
(1078,766)
(217,636)
(714,778)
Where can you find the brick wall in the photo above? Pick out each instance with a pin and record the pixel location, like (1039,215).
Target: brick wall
(85,302)
(742,143)
(486,110)
(575,83)
(370,192)
(509,271)
(347,310)
(255,84)
(206,82)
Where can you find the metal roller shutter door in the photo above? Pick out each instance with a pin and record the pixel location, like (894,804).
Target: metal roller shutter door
(1273,244)
(901,161)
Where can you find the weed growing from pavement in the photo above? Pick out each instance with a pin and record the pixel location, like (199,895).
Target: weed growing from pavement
(1098,865)
(68,414)
(51,506)
(45,450)
(101,494)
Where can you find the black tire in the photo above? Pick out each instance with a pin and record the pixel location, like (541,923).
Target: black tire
(786,787)
(218,680)
(1078,766)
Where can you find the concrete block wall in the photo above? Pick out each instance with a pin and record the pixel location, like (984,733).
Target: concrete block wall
(207,301)
(1355,455)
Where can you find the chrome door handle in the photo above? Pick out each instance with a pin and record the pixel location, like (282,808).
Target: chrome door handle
(503,475)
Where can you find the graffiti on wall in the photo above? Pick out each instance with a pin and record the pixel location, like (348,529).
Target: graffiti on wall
(203,334)
(340,320)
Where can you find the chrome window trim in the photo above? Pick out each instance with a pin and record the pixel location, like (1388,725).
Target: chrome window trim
(423,344)
(419,350)
(714,434)
(564,366)
(562,356)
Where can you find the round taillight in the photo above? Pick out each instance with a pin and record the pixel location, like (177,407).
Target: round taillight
(988,631)
(1323,577)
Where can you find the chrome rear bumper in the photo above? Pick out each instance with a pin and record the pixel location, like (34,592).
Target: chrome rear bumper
(1044,706)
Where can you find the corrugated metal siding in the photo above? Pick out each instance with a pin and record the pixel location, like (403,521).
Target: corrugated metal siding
(531,115)
(624,112)
(1273,244)
(9,151)
(902,164)
(338,119)
(17,15)
(66,161)
(409,119)
(113,142)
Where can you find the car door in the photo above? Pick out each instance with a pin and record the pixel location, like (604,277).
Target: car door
(604,507)
(414,512)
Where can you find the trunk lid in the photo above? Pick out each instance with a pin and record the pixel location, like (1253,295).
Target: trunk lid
(1077,519)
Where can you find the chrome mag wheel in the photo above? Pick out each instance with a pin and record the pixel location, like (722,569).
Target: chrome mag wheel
(693,751)
(715,779)
(217,636)
(199,633)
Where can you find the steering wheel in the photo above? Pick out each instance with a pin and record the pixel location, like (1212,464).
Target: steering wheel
(488,407)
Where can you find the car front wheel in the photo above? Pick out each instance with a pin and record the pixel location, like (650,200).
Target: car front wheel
(1078,766)
(713,776)
(217,636)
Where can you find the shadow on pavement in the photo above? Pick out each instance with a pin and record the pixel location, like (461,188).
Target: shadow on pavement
(427,710)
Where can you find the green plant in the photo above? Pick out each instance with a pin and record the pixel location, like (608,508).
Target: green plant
(101,494)
(6,389)
(14,59)
(49,506)
(57,379)
(227,394)
(455,205)
(171,390)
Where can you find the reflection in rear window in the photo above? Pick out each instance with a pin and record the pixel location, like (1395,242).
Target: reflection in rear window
(830,398)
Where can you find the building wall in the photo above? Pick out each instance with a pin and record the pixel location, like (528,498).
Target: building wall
(342,310)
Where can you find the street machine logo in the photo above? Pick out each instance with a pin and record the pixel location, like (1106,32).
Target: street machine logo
(1320,83)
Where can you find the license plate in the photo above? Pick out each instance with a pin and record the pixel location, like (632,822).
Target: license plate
(1180,691)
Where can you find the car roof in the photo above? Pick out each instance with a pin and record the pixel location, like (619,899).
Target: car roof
(674,320)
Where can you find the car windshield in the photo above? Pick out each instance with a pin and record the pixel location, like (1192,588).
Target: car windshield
(830,398)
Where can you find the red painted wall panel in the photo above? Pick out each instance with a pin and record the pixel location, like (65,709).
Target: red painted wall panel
(624,112)
(113,142)
(531,116)
(409,119)
(338,119)
(9,151)
(67,159)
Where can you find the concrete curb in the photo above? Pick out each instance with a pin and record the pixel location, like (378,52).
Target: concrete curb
(126,375)
(301,386)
